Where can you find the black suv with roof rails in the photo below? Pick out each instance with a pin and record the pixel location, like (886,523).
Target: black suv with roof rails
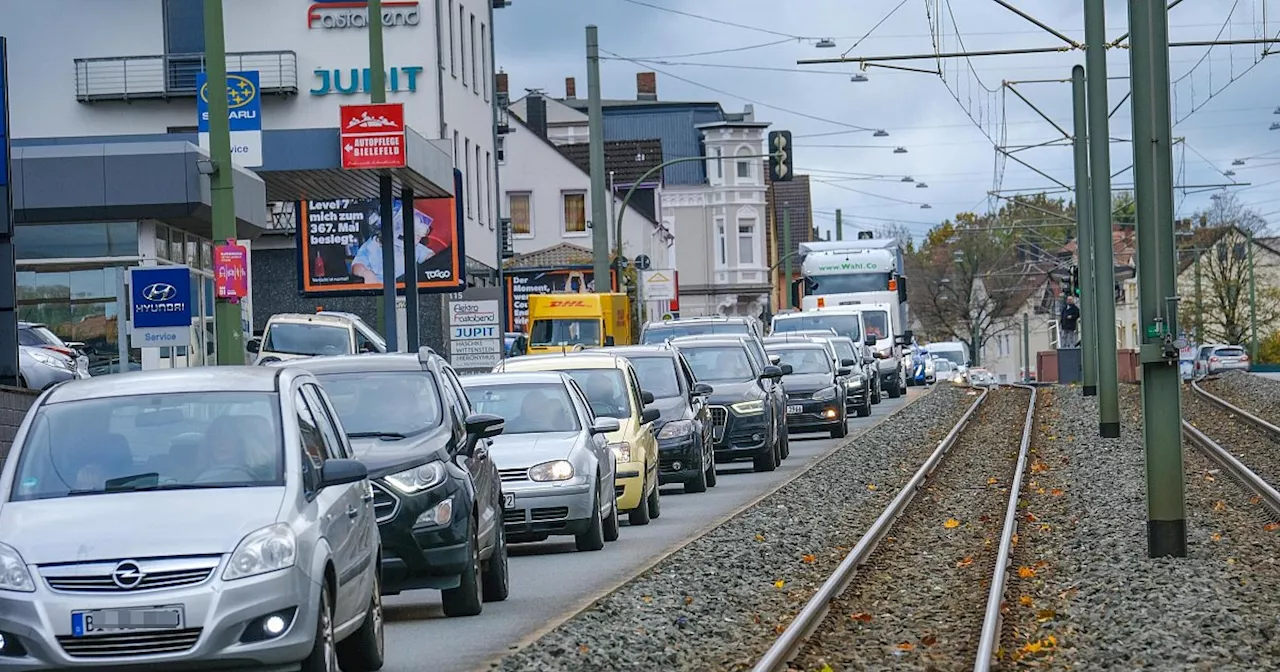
(436,491)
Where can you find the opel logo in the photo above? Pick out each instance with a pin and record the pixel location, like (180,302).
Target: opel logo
(159,292)
(127,575)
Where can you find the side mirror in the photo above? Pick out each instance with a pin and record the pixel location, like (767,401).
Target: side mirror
(608,341)
(774,359)
(650,415)
(368,347)
(871,341)
(646,397)
(868,360)
(773,372)
(605,426)
(848,361)
(254,345)
(702,390)
(787,369)
(843,371)
(341,472)
(482,426)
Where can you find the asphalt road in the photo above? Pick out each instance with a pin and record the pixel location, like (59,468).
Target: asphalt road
(550,579)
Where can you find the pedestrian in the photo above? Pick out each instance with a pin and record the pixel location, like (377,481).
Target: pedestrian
(1068,321)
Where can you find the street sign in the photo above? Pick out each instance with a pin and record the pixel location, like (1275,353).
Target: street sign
(659,285)
(372,136)
(244,111)
(160,312)
(231,271)
(475,337)
(643,262)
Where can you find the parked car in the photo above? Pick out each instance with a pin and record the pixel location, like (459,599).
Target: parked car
(686,450)
(945,370)
(613,391)
(436,489)
(188,519)
(556,467)
(1227,358)
(39,335)
(40,368)
(979,377)
(715,325)
(745,424)
(815,388)
(325,333)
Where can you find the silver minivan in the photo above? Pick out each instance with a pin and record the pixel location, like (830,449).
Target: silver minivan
(190,518)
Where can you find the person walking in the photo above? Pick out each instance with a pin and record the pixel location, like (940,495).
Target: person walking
(1068,321)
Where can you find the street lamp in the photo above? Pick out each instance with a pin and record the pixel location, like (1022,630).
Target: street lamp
(921,185)
(1238,162)
(926,206)
(903,150)
(1275,126)
(859,77)
(825,43)
(908,178)
(880,132)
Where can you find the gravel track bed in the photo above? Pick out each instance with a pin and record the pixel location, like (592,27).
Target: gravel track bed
(1259,451)
(1095,601)
(1260,396)
(718,603)
(918,604)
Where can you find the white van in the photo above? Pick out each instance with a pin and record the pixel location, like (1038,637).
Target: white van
(325,333)
(953,351)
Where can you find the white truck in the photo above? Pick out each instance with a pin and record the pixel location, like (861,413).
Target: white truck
(868,274)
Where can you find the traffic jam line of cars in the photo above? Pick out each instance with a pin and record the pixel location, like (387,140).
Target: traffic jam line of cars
(256,516)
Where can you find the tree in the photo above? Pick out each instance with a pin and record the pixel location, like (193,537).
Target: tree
(1224,301)
(1226,210)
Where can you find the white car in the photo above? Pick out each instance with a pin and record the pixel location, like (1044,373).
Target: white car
(325,333)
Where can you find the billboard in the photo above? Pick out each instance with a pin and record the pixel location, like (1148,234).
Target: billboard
(523,282)
(340,249)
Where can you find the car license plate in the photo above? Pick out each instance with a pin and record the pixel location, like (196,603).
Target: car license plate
(98,621)
(793,410)
(508,500)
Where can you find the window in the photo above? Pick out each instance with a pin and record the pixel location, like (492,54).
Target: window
(719,363)
(575,212)
(746,242)
(463,399)
(606,391)
(501,150)
(480,204)
(333,444)
(719,163)
(455,149)
(529,408)
(183,43)
(471,211)
(462,42)
(658,376)
(475,76)
(63,241)
(488,185)
(484,60)
(396,402)
(722,245)
(744,165)
(453,42)
(520,207)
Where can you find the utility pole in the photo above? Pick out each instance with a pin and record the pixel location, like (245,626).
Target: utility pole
(1084,236)
(595,125)
(839,225)
(1253,306)
(1095,29)
(410,218)
(786,249)
(1026,347)
(1199,302)
(1157,277)
(386,188)
(226,315)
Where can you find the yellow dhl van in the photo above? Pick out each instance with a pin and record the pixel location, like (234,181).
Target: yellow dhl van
(561,321)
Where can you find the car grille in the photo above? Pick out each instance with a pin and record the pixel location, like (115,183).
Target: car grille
(799,396)
(130,644)
(513,516)
(719,415)
(385,504)
(508,475)
(156,575)
(549,513)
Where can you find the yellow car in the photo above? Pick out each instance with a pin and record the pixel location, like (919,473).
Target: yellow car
(613,390)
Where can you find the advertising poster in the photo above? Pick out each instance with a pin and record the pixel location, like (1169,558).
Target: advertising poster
(341,250)
(523,282)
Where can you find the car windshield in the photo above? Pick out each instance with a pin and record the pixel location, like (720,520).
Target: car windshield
(719,363)
(657,376)
(954,356)
(804,360)
(849,283)
(374,403)
(151,442)
(877,322)
(40,336)
(568,332)
(661,332)
(844,324)
(606,391)
(943,365)
(307,339)
(528,408)
(844,350)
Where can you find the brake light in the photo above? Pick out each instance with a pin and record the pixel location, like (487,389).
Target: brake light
(1214,359)
(1244,358)
(62,351)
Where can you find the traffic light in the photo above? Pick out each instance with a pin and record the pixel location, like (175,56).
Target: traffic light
(1075,281)
(780,159)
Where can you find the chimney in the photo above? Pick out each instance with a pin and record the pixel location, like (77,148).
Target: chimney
(536,114)
(500,83)
(646,86)
(570,88)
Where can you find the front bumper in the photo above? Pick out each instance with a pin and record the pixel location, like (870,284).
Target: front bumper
(629,485)
(814,416)
(684,451)
(416,552)
(544,509)
(216,616)
(739,437)
(857,397)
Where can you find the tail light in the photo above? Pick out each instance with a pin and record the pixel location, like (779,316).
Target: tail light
(1214,359)
(1244,358)
(62,351)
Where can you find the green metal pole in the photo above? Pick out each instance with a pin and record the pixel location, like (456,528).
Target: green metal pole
(1157,278)
(786,264)
(1253,306)
(839,225)
(1199,300)
(386,187)
(226,315)
(1089,296)
(1095,29)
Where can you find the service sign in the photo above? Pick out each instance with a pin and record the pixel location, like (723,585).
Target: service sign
(372,136)
(160,311)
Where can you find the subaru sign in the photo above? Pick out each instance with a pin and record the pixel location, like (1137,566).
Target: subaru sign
(161,311)
(244,112)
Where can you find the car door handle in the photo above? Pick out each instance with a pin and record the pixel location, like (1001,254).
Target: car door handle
(352,512)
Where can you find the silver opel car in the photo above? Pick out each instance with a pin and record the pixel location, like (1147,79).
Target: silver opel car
(203,518)
(556,467)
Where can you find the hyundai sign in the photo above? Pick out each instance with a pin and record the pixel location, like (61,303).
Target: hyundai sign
(161,311)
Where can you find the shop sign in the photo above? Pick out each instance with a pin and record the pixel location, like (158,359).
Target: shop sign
(350,81)
(160,312)
(231,271)
(244,114)
(372,136)
(343,14)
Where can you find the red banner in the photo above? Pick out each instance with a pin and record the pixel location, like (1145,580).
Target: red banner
(372,136)
(231,271)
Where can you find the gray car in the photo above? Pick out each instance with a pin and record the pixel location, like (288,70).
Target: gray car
(40,369)
(187,519)
(553,457)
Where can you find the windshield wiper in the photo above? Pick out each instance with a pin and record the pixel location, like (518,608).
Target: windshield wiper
(385,436)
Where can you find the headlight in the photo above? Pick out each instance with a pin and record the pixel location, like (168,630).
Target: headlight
(676,428)
(419,478)
(825,395)
(13,571)
(50,360)
(272,548)
(855,383)
(559,470)
(622,451)
(748,407)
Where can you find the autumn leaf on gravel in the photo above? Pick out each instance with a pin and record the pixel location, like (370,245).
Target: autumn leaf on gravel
(1219,505)
(808,558)
(1026,572)
(1209,478)
(688,599)
(928,640)
(583,648)
(951,523)
(871,487)
(1039,491)
(1216,536)
(1041,564)
(1056,492)
(1039,466)
(861,616)
(1045,615)
(991,481)
(1026,600)
(779,584)
(905,646)
(1270,527)
(1014,539)
(1255,500)
(964,562)
(648,599)
(759,537)
(825,668)
(1031,518)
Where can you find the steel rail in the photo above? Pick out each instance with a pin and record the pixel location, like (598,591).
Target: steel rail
(989,640)
(1215,451)
(784,648)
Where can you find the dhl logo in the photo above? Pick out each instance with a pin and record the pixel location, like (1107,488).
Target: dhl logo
(566,304)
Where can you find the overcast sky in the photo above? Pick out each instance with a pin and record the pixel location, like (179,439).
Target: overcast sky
(940,121)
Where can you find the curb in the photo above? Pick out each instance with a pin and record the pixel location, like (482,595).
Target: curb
(591,600)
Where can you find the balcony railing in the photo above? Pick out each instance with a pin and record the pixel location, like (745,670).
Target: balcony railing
(174,75)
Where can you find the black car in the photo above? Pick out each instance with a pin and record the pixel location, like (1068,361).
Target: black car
(715,325)
(745,424)
(859,384)
(437,493)
(686,448)
(815,388)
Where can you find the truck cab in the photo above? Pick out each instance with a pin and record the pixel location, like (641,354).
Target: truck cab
(559,322)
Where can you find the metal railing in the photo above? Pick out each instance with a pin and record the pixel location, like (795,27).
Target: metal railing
(174,75)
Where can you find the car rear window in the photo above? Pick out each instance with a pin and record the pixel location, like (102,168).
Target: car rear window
(657,376)
(384,402)
(719,363)
(1229,352)
(660,333)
